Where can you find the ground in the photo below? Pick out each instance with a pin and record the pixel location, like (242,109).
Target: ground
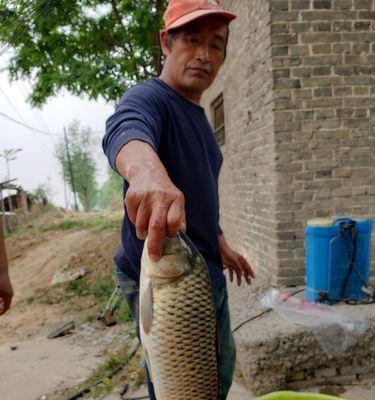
(33,367)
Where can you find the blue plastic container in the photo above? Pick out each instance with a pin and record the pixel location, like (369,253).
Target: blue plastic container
(331,248)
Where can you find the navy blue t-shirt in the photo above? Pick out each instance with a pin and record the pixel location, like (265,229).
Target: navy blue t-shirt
(180,134)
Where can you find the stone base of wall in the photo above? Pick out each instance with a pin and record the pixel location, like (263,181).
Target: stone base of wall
(276,355)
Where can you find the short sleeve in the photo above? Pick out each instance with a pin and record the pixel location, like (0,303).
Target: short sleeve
(139,116)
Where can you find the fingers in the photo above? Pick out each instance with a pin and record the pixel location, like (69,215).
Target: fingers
(132,203)
(183,222)
(176,218)
(142,220)
(156,232)
(241,268)
(247,270)
(235,269)
(238,271)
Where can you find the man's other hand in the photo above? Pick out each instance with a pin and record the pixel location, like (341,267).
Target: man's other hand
(235,263)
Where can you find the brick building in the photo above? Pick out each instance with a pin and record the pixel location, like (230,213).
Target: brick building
(294,111)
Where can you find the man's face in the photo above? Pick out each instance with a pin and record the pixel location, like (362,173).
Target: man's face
(196,54)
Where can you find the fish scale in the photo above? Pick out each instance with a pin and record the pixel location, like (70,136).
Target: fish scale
(181,345)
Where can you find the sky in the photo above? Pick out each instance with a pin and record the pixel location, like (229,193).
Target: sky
(36,163)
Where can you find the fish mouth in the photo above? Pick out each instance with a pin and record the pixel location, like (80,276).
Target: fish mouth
(180,257)
(193,253)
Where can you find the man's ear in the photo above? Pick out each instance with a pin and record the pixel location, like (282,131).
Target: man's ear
(164,42)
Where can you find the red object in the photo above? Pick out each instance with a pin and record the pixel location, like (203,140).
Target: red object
(181,12)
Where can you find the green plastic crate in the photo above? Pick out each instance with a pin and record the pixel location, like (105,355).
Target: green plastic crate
(296,396)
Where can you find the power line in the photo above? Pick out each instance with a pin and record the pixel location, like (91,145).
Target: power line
(28,126)
(16,36)
(15,16)
(42,7)
(23,119)
(38,115)
(25,93)
(12,105)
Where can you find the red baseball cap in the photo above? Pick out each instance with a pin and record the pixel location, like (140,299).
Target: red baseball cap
(181,12)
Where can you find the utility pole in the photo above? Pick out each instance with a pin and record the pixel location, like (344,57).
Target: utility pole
(2,210)
(70,169)
(9,155)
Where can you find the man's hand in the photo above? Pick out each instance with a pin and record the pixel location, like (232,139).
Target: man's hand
(156,208)
(6,293)
(154,204)
(235,263)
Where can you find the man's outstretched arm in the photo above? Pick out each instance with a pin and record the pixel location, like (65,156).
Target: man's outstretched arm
(6,290)
(154,204)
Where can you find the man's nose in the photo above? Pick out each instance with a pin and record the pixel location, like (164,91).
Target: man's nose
(203,53)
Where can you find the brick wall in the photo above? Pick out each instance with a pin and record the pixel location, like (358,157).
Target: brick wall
(299,93)
(248,177)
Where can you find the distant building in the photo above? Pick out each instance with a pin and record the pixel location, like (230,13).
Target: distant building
(20,201)
(294,112)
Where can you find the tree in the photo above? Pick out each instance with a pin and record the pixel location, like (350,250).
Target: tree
(111,192)
(92,47)
(83,169)
(41,194)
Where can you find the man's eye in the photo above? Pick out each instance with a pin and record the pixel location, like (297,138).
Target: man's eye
(194,40)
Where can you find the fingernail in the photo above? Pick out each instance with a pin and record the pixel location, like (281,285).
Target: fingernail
(154,257)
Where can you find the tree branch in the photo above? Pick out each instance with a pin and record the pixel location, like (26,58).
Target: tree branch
(129,51)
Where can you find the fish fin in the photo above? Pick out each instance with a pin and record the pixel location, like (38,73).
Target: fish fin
(148,365)
(146,307)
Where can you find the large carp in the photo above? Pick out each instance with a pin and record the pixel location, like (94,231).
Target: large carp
(178,323)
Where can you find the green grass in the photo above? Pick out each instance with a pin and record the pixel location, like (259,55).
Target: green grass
(72,294)
(95,223)
(10,234)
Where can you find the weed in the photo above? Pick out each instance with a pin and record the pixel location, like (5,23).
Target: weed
(90,318)
(30,300)
(47,300)
(79,287)
(12,233)
(133,373)
(96,293)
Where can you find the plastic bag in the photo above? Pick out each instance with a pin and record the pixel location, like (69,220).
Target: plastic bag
(334,330)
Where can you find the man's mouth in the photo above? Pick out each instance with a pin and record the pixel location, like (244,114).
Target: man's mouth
(202,70)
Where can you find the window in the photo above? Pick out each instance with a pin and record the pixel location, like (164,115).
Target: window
(217,107)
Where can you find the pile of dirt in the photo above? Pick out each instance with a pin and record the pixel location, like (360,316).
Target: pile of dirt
(35,256)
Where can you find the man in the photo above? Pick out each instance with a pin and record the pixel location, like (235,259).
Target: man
(160,141)
(6,290)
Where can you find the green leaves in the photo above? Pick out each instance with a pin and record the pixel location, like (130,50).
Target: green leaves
(97,48)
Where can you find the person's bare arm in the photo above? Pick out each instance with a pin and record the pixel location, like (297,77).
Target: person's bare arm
(154,204)
(6,290)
